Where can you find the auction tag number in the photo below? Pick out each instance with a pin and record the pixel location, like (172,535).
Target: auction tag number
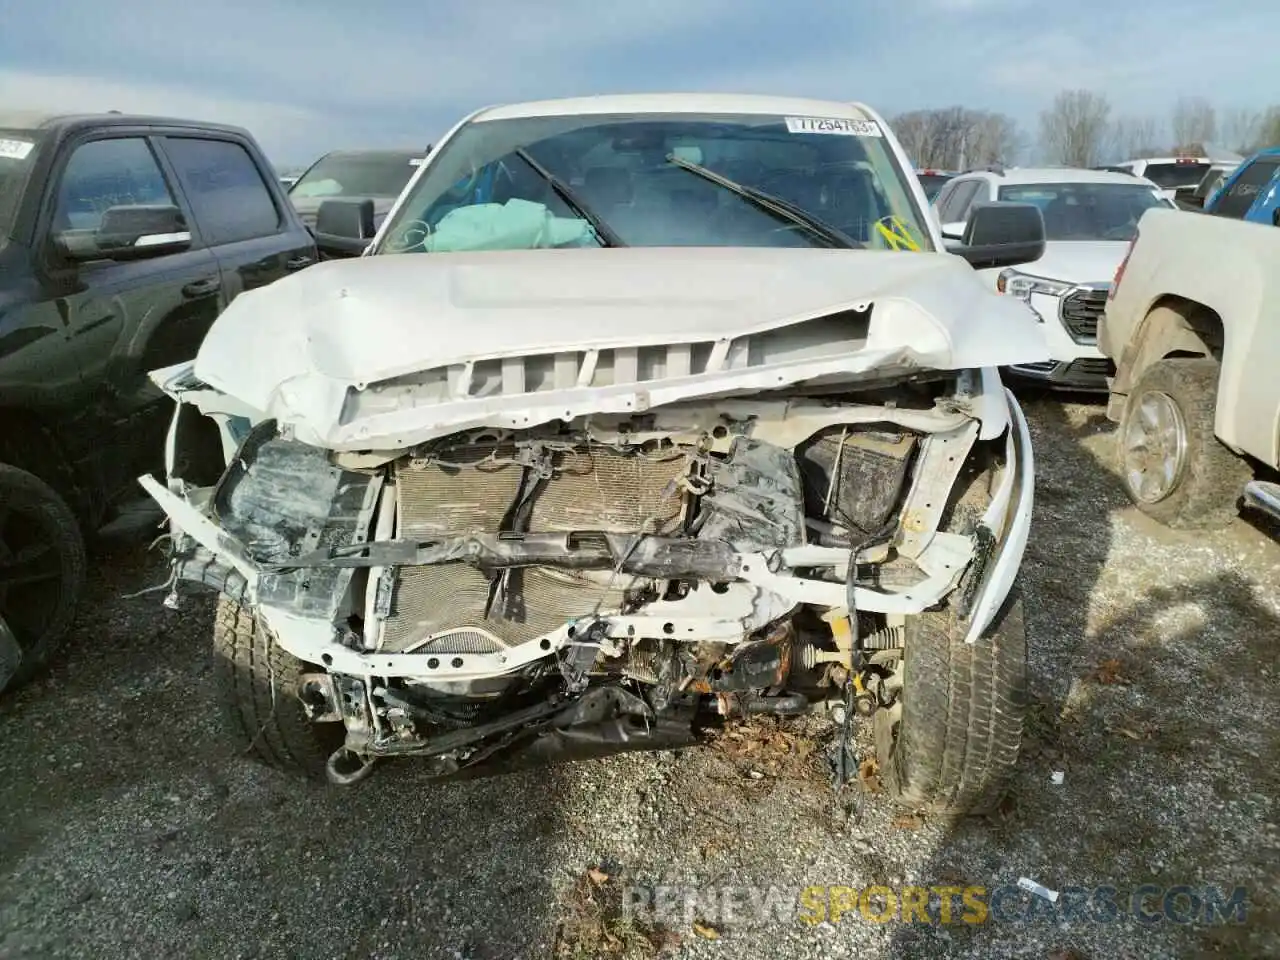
(839,126)
(15,149)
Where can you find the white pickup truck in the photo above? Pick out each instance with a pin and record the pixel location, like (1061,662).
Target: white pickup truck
(1193,325)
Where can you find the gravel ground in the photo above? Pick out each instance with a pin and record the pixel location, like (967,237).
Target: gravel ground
(129,826)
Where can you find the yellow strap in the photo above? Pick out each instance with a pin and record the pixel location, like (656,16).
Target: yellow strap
(897,234)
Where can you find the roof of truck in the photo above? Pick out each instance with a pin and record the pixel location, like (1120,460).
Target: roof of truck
(35,120)
(632,103)
(1064,175)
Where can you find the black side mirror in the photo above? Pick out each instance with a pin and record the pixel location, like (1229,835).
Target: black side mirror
(1002,234)
(1275,216)
(128,233)
(344,227)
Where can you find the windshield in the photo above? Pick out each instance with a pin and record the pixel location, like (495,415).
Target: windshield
(18,149)
(635,176)
(1087,211)
(1171,176)
(382,174)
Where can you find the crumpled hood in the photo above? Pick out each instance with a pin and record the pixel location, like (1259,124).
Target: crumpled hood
(306,348)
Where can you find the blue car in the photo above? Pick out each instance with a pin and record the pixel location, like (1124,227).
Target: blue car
(1252,192)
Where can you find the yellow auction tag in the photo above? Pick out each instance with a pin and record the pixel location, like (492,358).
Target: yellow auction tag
(897,234)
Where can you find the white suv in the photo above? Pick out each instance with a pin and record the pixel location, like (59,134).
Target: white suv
(1090,216)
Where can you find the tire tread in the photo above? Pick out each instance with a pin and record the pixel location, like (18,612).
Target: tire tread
(258,682)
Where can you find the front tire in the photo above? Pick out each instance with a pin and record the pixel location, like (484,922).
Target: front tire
(258,682)
(950,742)
(42,573)
(1173,466)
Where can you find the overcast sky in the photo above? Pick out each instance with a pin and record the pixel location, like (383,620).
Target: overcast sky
(311,75)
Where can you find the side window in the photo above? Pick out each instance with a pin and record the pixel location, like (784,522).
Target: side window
(980,193)
(1243,193)
(105,174)
(227,194)
(958,202)
(944,196)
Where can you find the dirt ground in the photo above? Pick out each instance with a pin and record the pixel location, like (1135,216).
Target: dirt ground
(129,825)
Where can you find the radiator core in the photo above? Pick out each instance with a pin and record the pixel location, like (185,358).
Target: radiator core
(469,489)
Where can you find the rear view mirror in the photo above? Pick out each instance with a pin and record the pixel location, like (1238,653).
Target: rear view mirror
(1275,216)
(128,233)
(344,227)
(1002,234)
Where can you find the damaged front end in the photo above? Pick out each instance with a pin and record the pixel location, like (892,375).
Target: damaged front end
(609,581)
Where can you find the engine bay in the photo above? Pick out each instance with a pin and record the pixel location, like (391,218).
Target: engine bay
(603,581)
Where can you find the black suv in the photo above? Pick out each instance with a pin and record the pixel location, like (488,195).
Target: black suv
(121,239)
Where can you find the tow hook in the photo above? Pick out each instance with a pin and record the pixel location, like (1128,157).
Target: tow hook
(345,767)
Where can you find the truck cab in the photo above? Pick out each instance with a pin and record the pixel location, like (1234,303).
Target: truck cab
(121,239)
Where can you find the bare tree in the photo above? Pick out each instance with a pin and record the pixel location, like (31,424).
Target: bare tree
(1074,130)
(915,131)
(1135,137)
(994,138)
(1195,123)
(1240,129)
(1268,129)
(954,138)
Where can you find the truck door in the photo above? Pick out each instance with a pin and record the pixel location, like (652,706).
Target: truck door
(254,238)
(111,302)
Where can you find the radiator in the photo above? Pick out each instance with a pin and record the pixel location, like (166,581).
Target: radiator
(469,489)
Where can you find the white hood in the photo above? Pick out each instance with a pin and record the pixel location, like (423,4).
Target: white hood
(305,349)
(1079,261)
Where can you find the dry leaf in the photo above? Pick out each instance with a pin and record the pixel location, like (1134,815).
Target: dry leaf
(869,774)
(1131,734)
(706,931)
(1111,672)
(908,821)
(597,876)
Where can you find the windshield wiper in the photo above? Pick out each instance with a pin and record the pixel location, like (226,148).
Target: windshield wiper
(771,204)
(605,232)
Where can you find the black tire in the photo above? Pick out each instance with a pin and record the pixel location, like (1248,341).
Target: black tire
(42,570)
(258,681)
(953,747)
(1207,490)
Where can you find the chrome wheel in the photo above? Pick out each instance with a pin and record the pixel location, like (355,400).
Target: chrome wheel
(1155,447)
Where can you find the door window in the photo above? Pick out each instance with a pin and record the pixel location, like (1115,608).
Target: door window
(958,202)
(106,174)
(226,190)
(979,194)
(1243,192)
(944,196)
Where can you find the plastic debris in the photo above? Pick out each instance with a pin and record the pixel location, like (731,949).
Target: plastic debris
(1034,888)
(1057,777)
